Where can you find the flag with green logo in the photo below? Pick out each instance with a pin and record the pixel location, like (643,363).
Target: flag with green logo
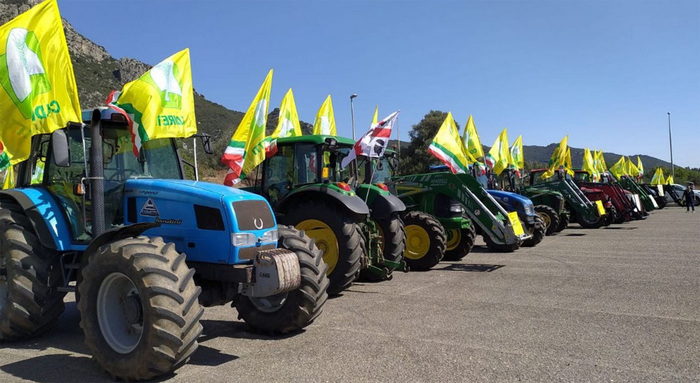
(658,178)
(38,92)
(589,165)
(640,167)
(620,168)
(471,139)
(287,124)
(516,154)
(160,103)
(325,119)
(246,150)
(447,147)
(632,169)
(558,158)
(600,162)
(498,157)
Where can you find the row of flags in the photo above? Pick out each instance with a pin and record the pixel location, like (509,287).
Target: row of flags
(658,178)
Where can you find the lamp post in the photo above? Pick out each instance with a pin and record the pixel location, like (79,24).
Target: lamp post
(670,145)
(352,114)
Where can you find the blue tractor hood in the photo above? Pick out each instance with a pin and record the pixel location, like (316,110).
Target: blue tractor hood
(515,202)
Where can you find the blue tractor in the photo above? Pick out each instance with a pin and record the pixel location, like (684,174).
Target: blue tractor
(533,224)
(144,249)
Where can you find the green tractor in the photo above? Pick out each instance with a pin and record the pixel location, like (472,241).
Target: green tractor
(549,204)
(460,204)
(580,207)
(307,189)
(631,185)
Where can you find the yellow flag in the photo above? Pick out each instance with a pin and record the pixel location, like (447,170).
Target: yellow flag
(376,115)
(558,158)
(498,157)
(246,150)
(620,168)
(288,124)
(670,181)
(640,167)
(447,147)
(160,103)
(658,178)
(325,119)
(471,139)
(516,154)
(589,165)
(567,162)
(38,86)
(600,164)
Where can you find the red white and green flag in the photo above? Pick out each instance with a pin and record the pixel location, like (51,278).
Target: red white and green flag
(374,142)
(246,150)
(448,147)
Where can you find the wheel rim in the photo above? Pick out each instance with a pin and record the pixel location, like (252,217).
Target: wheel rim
(546,219)
(269,304)
(120,313)
(417,242)
(325,240)
(454,237)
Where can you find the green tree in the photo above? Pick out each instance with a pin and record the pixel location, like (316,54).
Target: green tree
(416,158)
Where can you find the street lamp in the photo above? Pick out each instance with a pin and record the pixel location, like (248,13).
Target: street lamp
(670,144)
(352,114)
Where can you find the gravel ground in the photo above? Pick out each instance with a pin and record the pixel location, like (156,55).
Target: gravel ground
(613,304)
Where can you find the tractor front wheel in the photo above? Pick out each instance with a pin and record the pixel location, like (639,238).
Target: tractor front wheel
(425,240)
(336,235)
(586,224)
(549,217)
(29,274)
(537,231)
(563,222)
(293,310)
(459,243)
(139,308)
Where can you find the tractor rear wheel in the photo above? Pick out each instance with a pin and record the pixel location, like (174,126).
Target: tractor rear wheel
(537,231)
(393,244)
(425,240)
(336,235)
(586,224)
(459,243)
(29,275)
(293,310)
(611,215)
(549,217)
(139,308)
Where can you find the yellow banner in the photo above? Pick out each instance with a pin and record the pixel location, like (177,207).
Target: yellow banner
(38,93)
(498,157)
(288,124)
(471,140)
(516,154)
(325,119)
(515,221)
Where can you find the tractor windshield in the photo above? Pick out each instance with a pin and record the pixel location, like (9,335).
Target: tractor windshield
(158,160)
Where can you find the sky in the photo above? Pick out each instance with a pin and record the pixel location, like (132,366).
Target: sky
(605,73)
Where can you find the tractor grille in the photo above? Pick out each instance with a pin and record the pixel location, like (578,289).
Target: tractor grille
(249,252)
(253,215)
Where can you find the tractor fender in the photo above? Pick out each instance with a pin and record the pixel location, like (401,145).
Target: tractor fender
(44,213)
(351,203)
(385,204)
(117,234)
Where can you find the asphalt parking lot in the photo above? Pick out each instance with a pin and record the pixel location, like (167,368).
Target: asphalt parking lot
(614,304)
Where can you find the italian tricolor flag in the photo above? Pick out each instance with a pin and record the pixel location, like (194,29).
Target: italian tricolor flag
(448,147)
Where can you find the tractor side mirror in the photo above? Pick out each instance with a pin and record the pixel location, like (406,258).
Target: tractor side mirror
(206,144)
(60,148)
(331,142)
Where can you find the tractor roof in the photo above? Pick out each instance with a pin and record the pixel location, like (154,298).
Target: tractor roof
(314,139)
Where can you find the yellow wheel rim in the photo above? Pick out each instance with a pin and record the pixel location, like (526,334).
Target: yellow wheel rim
(325,240)
(454,237)
(417,242)
(545,218)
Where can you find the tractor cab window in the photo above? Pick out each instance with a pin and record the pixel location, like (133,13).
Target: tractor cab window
(280,174)
(382,170)
(39,160)
(305,164)
(581,176)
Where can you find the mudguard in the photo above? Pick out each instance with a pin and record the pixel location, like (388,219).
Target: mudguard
(349,201)
(385,204)
(43,212)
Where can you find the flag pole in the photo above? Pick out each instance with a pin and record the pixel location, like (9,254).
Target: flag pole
(352,114)
(670,144)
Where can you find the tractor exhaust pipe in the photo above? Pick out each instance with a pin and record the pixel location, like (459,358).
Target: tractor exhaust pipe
(96,175)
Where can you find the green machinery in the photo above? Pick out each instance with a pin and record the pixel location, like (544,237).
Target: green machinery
(549,204)
(304,184)
(580,207)
(629,184)
(457,200)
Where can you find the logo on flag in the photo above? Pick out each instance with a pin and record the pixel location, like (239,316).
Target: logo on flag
(373,143)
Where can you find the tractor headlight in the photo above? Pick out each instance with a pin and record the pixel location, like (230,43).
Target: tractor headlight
(243,239)
(270,236)
(529,209)
(456,208)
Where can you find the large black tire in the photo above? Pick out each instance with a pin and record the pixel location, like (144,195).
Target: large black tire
(29,275)
(586,224)
(344,253)
(393,244)
(537,232)
(563,222)
(492,246)
(459,243)
(611,215)
(140,293)
(294,310)
(425,241)
(550,218)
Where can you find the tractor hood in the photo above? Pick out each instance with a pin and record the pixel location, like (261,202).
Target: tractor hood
(514,201)
(178,189)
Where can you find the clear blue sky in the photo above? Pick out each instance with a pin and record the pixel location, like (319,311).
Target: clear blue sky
(604,72)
